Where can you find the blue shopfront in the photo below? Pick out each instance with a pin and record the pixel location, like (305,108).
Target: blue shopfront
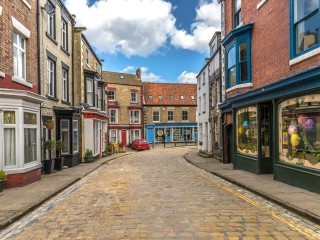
(175,132)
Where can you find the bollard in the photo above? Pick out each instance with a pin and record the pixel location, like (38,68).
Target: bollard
(175,144)
(153,144)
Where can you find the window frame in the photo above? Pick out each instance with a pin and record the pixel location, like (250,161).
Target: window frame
(134,97)
(237,17)
(170,115)
(114,95)
(64,35)
(153,115)
(293,41)
(91,92)
(52,82)
(185,115)
(18,48)
(51,22)
(133,117)
(115,115)
(67,130)
(75,130)
(65,85)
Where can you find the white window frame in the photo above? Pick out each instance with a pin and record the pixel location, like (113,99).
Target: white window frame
(51,77)
(134,97)
(113,136)
(99,105)
(153,116)
(67,130)
(133,118)
(172,115)
(64,34)
(89,92)
(135,134)
(65,76)
(32,126)
(51,24)
(182,115)
(75,129)
(115,116)
(114,95)
(19,57)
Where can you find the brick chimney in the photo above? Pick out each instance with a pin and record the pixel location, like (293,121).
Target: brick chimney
(138,73)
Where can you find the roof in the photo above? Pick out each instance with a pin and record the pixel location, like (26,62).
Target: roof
(121,78)
(170,93)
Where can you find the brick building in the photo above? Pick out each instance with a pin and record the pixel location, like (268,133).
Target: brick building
(171,109)
(125,106)
(271,97)
(20,141)
(89,95)
(56,70)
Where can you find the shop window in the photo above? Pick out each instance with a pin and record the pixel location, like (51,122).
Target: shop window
(299,131)
(134,134)
(75,135)
(64,134)
(247,131)
(305,23)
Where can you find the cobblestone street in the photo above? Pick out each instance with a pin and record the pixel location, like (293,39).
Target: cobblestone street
(156,194)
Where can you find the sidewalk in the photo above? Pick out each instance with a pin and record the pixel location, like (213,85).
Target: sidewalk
(17,202)
(300,201)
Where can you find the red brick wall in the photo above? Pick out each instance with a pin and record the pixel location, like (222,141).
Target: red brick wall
(28,18)
(22,179)
(270,49)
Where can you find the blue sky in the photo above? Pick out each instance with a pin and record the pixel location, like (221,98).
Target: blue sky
(167,39)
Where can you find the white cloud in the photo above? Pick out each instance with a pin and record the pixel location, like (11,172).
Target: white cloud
(146,76)
(187,77)
(132,28)
(207,22)
(142,27)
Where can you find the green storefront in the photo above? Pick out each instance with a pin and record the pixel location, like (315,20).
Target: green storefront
(276,130)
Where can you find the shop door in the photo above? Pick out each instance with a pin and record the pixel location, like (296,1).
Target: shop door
(229,145)
(150,136)
(168,135)
(266,165)
(124,137)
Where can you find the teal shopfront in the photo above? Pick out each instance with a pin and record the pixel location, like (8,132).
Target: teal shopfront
(175,132)
(276,130)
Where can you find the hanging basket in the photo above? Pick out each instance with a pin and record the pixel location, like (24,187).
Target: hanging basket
(49,124)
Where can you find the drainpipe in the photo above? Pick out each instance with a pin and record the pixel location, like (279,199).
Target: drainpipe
(38,40)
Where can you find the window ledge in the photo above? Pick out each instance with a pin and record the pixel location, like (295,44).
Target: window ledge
(26,3)
(51,38)
(260,4)
(52,98)
(305,56)
(65,102)
(245,85)
(65,51)
(2,74)
(21,81)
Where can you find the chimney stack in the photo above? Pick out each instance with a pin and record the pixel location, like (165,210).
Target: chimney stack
(138,73)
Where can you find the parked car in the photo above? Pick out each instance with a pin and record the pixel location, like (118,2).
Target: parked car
(140,144)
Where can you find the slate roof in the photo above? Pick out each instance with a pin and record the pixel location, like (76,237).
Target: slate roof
(121,78)
(170,94)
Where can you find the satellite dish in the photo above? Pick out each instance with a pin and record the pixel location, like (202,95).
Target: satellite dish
(48,8)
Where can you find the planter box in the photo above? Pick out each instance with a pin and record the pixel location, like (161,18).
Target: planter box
(2,182)
(58,164)
(89,159)
(48,166)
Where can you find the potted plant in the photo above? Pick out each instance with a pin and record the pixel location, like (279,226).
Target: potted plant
(89,155)
(49,124)
(48,164)
(59,161)
(3,179)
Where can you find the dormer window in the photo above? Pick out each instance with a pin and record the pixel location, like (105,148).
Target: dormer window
(192,97)
(160,97)
(182,97)
(171,97)
(150,97)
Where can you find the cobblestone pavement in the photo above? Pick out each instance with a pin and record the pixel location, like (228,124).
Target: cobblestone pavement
(156,194)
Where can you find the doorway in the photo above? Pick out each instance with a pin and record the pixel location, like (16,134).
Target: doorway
(124,137)
(229,148)
(266,165)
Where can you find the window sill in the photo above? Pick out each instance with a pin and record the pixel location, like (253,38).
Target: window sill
(133,102)
(305,56)
(65,51)
(2,74)
(260,4)
(244,85)
(52,98)
(21,81)
(66,102)
(185,121)
(26,3)
(51,38)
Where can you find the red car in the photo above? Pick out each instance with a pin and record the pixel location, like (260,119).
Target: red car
(140,144)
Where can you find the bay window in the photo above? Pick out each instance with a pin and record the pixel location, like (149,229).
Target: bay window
(89,84)
(134,134)
(9,138)
(305,23)
(30,137)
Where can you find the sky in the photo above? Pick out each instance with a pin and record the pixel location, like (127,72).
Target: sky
(167,39)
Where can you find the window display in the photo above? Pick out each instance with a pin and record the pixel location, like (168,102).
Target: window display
(247,131)
(299,131)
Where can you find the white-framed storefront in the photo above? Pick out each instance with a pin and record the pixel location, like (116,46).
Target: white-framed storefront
(94,135)
(20,136)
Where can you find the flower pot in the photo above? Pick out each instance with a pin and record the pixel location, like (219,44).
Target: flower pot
(89,159)
(58,163)
(50,125)
(2,182)
(48,166)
